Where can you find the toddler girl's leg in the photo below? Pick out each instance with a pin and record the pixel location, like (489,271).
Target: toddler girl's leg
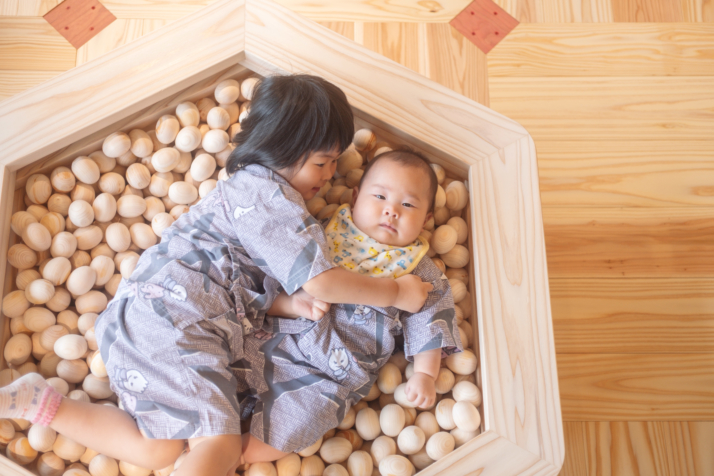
(255,451)
(211,456)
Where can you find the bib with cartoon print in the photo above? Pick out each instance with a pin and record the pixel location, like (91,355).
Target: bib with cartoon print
(356,251)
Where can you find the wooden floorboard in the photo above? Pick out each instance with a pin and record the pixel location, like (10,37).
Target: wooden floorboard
(558,11)
(575,463)
(15,81)
(120,32)
(32,44)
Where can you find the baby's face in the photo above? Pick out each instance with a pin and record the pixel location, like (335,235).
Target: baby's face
(392,204)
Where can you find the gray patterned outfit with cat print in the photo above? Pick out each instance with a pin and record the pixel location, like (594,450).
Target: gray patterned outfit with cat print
(300,377)
(173,330)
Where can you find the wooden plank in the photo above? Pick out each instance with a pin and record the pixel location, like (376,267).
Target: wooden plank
(121,83)
(117,34)
(639,448)
(633,315)
(630,242)
(646,10)
(558,11)
(615,49)
(154,9)
(619,173)
(32,44)
(698,11)
(16,81)
(26,8)
(575,463)
(633,108)
(436,11)
(647,387)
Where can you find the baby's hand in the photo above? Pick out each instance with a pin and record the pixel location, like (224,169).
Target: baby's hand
(304,305)
(412,293)
(420,390)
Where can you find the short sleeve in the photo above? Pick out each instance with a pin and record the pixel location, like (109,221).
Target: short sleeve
(276,230)
(434,326)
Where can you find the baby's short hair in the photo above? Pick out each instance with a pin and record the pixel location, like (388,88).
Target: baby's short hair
(408,157)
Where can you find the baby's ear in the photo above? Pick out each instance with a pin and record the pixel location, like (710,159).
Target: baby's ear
(427,218)
(355,191)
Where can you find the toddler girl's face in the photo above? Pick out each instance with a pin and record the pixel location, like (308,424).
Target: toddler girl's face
(392,204)
(315,172)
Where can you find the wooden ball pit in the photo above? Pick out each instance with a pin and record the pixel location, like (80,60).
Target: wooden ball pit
(492,159)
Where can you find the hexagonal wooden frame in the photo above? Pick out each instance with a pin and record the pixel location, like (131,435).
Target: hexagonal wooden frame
(56,121)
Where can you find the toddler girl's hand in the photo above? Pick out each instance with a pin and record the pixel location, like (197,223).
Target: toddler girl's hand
(420,390)
(412,293)
(304,305)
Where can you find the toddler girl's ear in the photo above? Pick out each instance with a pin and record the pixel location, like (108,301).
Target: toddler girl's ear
(355,191)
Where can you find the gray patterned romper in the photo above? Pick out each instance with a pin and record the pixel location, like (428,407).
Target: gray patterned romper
(171,333)
(300,377)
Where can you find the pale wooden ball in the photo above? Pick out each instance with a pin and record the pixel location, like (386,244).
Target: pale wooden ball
(48,365)
(17,326)
(105,207)
(440,445)
(59,384)
(466,416)
(128,469)
(391,419)
(409,416)
(334,195)
(350,159)
(382,447)
(440,198)
(443,239)
(312,449)
(97,387)
(401,397)
(458,290)
(187,114)
(462,229)
(102,465)
(103,161)
(227,91)
(116,144)
(353,177)
(396,465)
(215,141)
(7,432)
(364,140)
(160,183)
(458,257)
(118,237)
(73,371)
(68,318)
(182,193)
(464,337)
(206,187)
(14,304)
(233,110)
(37,319)
(462,436)
(41,438)
(439,171)
(37,211)
(350,435)
(178,210)
(38,188)
(203,167)
(167,127)
(411,439)
(142,235)
(462,363)
(367,424)
(39,291)
(444,414)
(348,421)
(37,237)
(457,196)
(247,87)
(335,450)
(49,464)
(360,463)
(21,256)
(62,179)
(81,280)
(88,237)
(20,451)
(315,204)
(49,336)
(93,301)
(218,118)
(441,216)
(188,139)
(86,321)
(83,191)
(67,449)
(288,465)
(160,222)
(54,221)
(97,366)
(312,466)
(141,144)
(204,105)
(166,159)
(138,176)
(328,211)
(20,220)
(389,378)
(466,391)
(70,346)
(85,170)
(333,470)
(444,381)
(461,274)
(81,213)
(130,206)
(18,349)
(261,469)
(60,300)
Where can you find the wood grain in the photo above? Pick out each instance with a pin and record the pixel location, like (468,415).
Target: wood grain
(698,11)
(575,463)
(647,387)
(32,44)
(634,108)
(649,448)
(614,49)
(154,9)
(633,315)
(377,10)
(16,81)
(558,11)
(646,10)
(581,174)
(117,34)
(629,242)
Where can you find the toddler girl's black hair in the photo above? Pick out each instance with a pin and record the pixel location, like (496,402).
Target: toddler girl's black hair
(291,117)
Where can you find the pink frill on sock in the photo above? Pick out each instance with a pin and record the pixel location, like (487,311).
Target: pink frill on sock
(49,403)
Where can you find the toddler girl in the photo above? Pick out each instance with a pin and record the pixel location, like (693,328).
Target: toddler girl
(171,334)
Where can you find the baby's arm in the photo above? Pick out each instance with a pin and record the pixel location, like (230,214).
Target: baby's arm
(338,285)
(420,388)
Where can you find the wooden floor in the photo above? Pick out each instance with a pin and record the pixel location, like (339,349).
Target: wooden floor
(619,97)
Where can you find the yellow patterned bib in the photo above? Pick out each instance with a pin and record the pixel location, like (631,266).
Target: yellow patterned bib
(355,251)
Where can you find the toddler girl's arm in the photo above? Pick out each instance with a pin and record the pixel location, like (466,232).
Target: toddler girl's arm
(300,304)
(338,285)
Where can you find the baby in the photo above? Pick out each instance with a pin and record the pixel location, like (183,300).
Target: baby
(300,377)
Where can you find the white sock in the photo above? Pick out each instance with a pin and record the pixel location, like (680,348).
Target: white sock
(30,397)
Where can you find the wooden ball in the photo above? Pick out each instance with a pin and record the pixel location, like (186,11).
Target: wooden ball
(401,397)
(20,451)
(85,170)
(165,160)
(335,450)
(382,447)
(350,159)
(97,387)
(462,436)
(312,449)
(38,188)
(167,127)
(178,210)
(373,394)
(247,87)
(261,469)
(389,378)
(105,207)
(458,257)
(439,171)
(93,301)
(88,237)
(396,465)
(39,291)
(334,470)
(328,211)
(353,177)
(204,105)
(49,336)
(70,347)
(218,118)
(130,206)
(20,220)
(160,222)
(444,414)
(203,167)
(60,300)
(81,280)
(73,371)
(367,424)
(206,187)
(348,421)
(38,318)
(441,216)
(440,445)
(14,304)
(138,176)
(411,439)
(462,229)
(37,211)
(48,365)
(444,381)
(350,435)
(188,139)
(142,235)
(21,256)
(37,237)
(54,221)
(118,237)
(364,140)
(160,183)
(187,114)
(443,239)
(62,179)
(116,144)
(457,196)
(391,419)
(141,143)
(312,466)
(112,183)
(215,141)
(466,391)
(97,366)
(227,91)
(458,290)
(315,204)
(18,349)
(49,464)
(41,438)
(103,161)
(334,194)
(440,198)
(462,363)
(128,469)
(182,193)
(102,465)
(288,465)
(360,463)
(7,432)
(466,416)
(378,150)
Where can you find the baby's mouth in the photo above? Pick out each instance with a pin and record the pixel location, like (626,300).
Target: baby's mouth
(388,227)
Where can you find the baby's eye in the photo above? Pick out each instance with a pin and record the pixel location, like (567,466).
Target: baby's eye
(408,205)
(380,197)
